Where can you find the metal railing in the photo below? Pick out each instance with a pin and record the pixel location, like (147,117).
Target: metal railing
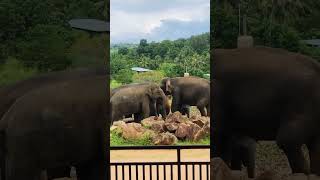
(176,170)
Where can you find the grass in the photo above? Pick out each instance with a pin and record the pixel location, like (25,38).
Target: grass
(117,140)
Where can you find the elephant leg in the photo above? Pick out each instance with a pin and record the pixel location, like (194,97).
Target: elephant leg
(145,110)
(314,153)
(208,110)
(249,157)
(201,106)
(176,105)
(236,161)
(138,117)
(202,110)
(290,139)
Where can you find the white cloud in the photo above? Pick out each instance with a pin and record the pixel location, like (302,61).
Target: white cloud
(132,20)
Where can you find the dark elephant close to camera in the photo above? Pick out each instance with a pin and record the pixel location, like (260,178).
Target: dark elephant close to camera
(139,100)
(192,91)
(9,94)
(268,94)
(64,127)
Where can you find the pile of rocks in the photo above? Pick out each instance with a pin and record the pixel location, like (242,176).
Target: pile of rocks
(166,132)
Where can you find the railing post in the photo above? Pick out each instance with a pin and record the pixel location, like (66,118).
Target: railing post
(179,162)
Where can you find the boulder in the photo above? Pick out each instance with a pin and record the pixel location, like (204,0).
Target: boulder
(158,127)
(193,130)
(171,127)
(119,123)
(151,120)
(182,131)
(164,139)
(132,131)
(220,171)
(175,117)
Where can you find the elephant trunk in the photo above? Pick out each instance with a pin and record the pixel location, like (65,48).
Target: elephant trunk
(164,106)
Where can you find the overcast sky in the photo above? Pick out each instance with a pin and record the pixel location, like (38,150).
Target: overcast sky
(156,20)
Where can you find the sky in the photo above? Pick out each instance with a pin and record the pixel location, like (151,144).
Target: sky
(157,20)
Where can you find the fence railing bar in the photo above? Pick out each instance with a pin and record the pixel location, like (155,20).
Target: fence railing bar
(193,172)
(186,165)
(116,169)
(130,172)
(143,171)
(164,172)
(171,169)
(158,172)
(150,170)
(200,171)
(123,174)
(160,163)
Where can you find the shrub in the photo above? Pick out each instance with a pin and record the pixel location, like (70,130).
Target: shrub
(114,84)
(124,76)
(170,69)
(13,71)
(152,76)
(44,47)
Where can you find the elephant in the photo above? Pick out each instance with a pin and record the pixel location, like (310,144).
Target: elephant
(9,94)
(139,100)
(267,94)
(65,126)
(244,152)
(190,90)
(159,102)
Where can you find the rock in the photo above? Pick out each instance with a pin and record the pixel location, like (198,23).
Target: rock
(113,128)
(203,132)
(132,131)
(118,123)
(171,127)
(220,171)
(193,130)
(268,175)
(198,121)
(150,120)
(175,117)
(182,131)
(165,139)
(158,127)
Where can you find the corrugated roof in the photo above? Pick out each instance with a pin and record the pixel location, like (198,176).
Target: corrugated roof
(90,25)
(313,42)
(140,69)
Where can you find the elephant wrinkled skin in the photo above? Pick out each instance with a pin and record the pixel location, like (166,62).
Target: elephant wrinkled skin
(267,94)
(140,100)
(192,91)
(65,126)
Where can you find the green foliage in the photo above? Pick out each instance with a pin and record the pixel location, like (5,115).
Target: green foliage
(152,76)
(172,58)
(37,34)
(13,71)
(44,47)
(88,51)
(170,69)
(117,140)
(114,84)
(281,24)
(124,76)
